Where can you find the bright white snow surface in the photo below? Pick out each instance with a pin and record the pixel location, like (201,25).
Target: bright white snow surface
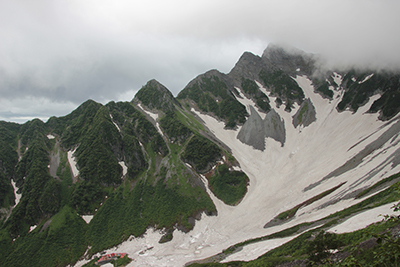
(72,163)
(17,196)
(116,125)
(278,177)
(364,219)
(124,168)
(50,136)
(87,218)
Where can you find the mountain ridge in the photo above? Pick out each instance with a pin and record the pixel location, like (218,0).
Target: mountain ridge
(207,169)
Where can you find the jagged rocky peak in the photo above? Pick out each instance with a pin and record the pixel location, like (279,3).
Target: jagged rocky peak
(247,67)
(289,59)
(155,96)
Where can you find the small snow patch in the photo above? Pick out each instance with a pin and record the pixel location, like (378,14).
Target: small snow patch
(17,196)
(72,162)
(124,168)
(32,228)
(236,168)
(155,117)
(87,218)
(187,164)
(366,78)
(116,125)
(50,136)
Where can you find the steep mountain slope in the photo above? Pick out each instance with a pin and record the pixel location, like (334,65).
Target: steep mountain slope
(274,145)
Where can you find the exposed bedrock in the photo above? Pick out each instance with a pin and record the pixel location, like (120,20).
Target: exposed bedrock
(305,115)
(275,127)
(255,129)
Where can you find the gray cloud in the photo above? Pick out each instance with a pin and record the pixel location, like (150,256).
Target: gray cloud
(69,51)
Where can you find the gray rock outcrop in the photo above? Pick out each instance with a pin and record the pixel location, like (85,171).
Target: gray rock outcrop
(305,115)
(255,129)
(275,127)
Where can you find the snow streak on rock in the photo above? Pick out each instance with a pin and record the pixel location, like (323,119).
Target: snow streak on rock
(72,163)
(124,168)
(154,116)
(17,196)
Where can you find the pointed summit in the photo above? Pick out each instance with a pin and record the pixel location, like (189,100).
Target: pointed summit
(248,67)
(155,96)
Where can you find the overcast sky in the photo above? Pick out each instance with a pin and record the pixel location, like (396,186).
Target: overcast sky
(56,54)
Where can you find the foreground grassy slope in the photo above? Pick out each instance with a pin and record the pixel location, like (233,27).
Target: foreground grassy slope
(158,190)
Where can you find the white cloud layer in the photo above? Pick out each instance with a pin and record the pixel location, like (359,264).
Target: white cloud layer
(69,51)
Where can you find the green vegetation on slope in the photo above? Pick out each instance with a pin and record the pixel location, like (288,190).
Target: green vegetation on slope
(324,89)
(155,96)
(146,205)
(290,213)
(229,186)
(40,192)
(250,87)
(175,129)
(61,243)
(8,159)
(211,94)
(200,153)
(283,86)
(358,92)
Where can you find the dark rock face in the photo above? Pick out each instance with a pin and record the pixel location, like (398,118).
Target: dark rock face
(289,59)
(255,129)
(305,115)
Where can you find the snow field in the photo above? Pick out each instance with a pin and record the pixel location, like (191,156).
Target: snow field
(364,219)
(278,177)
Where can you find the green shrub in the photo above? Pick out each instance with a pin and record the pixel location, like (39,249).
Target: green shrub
(201,153)
(229,186)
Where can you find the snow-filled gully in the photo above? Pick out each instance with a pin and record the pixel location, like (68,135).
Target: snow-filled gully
(278,177)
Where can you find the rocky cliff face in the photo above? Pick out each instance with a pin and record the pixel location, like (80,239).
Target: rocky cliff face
(255,129)
(305,115)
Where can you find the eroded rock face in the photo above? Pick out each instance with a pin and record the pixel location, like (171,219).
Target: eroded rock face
(305,115)
(255,129)
(275,127)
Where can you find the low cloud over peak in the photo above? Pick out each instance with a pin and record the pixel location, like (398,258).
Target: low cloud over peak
(106,50)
